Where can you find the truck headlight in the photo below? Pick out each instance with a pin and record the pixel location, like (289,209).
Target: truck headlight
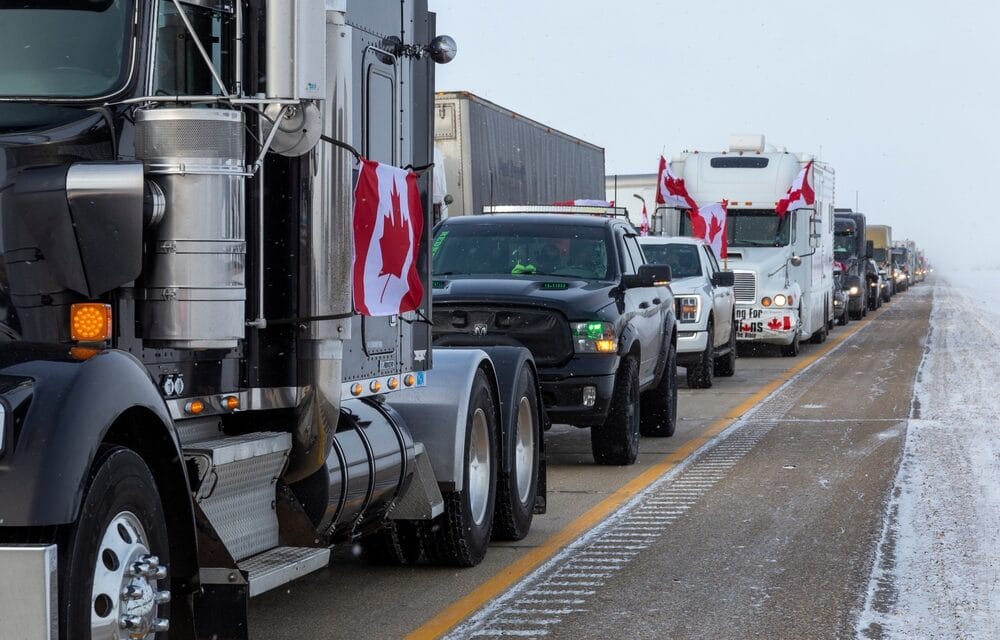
(594,337)
(854,290)
(779,300)
(688,308)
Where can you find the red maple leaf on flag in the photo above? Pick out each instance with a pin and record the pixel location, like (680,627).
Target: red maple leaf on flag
(774,324)
(714,229)
(395,241)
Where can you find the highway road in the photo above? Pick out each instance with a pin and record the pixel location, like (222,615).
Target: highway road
(759,518)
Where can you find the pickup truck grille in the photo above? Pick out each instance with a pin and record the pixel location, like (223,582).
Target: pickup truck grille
(545,333)
(745,286)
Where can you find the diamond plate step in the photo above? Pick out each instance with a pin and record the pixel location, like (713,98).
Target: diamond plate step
(281,565)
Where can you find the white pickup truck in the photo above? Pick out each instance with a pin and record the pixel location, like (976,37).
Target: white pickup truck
(704,301)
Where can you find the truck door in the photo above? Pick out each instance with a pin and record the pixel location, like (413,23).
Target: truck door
(722,299)
(646,303)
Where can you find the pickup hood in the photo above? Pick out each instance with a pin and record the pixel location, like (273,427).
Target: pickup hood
(566,295)
(685,286)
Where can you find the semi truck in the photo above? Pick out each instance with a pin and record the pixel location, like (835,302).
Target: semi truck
(880,235)
(494,156)
(851,249)
(783,265)
(191,410)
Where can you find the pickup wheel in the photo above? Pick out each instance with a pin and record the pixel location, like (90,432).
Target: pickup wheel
(699,375)
(116,554)
(658,407)
(845,318)
(459,536)
(518,485)
(725,365)
(617,440)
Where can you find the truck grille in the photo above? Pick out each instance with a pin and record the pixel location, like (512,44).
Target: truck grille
(745,286)
(545,333)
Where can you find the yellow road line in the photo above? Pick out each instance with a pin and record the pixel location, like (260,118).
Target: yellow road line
(512,573)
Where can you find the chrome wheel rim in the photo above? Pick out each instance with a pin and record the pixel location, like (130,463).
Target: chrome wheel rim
(125,598)
(524,448)
(479,467)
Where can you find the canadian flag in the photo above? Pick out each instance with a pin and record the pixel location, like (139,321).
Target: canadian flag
(670,189)
(388,226)
(644,225)
(799,195)
(709,224)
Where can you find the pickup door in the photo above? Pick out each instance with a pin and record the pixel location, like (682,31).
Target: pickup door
(722,299)
(650,306)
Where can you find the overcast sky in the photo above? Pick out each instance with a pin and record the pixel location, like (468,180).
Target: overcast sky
(901,98)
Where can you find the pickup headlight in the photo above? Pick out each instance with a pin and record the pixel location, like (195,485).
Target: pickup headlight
(594,337)
(854,290)
(688,308)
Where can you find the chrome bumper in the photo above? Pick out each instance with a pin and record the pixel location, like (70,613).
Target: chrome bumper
(28,592)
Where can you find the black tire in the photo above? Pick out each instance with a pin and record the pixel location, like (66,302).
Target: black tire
(699,375)
(120,485)
(725,365)
(658,406)
(397,544)
(515,503)
(617,440)
(456,538)
(844,319)
(819,337)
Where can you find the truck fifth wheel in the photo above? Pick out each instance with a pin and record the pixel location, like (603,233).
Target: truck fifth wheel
(191,411)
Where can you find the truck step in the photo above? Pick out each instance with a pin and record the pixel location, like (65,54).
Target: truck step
(280,565)
(236,488)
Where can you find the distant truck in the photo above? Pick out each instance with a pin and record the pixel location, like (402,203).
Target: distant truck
(880,235)
(492,156)
(901,264)
(850,248)
(783,266)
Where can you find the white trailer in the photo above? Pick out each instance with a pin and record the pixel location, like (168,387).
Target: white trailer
(783,266)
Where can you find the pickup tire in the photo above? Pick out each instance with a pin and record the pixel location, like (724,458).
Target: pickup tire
(460,535)
(725,365)
(658,406)
(616,441)
(699,374)
(121,523)
(518,485)
(845,318)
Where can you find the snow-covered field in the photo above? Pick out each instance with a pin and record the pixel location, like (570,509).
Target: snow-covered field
(937,574)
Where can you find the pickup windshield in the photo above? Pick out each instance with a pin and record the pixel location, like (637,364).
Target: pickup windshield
(64,49)
(516,250)
(752,228)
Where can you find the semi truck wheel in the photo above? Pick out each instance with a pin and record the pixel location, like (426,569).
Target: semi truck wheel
(115,556)
(397,544)
(616,441)
(518,485)
(459,536)
(658,407)
(725,365)
(699,375)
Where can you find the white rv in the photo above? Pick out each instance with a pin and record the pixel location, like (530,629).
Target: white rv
(783,266)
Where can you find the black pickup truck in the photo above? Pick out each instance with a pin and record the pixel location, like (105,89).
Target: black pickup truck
(576,291)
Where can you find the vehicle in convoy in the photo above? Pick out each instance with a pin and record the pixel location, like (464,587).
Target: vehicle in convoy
(850,248)
(840,296)
(703,306)
(901,262)
(493,155)
(912,261)
(880,235)
(783,265)
(192,410)
(876,285)
(576,290)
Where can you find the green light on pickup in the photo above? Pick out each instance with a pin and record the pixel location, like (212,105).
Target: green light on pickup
(589,330)
(555,286)
(438,284)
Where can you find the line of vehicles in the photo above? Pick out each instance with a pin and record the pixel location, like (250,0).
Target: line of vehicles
(192,412)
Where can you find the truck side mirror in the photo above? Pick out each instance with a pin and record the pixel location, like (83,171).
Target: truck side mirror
(649,275)
(795,260)
(723,279)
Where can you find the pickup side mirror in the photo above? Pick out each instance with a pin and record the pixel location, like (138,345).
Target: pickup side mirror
(723,279)
(870,248)
(650,275)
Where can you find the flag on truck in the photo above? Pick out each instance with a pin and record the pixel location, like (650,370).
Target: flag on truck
(709,224)
(799,195)
(644,225)
(670,189)
(388,226)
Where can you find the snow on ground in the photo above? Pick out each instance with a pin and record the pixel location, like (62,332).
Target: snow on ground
(937,573)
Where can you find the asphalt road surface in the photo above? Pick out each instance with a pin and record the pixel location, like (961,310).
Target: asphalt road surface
(759,518)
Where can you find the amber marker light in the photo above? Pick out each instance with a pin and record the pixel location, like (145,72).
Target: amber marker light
(409,380)
(90,322)
(356,389)
(393,384)
(606,346)
(375,386)
(194,407)
(232,403)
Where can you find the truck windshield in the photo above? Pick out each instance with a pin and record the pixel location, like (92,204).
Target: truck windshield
(752,228)
(682,258)
(64,49)
(516,250)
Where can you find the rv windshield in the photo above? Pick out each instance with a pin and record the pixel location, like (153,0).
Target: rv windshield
(64,49)
(752,228)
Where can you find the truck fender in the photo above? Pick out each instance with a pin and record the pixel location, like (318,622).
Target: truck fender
(629,342)
(436,412)
(65,408)
(508,363)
